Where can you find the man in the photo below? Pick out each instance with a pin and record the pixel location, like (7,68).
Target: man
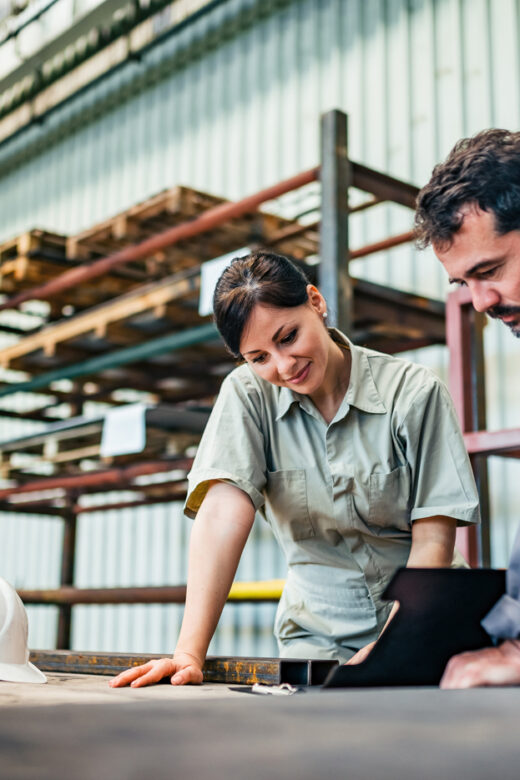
(470,213)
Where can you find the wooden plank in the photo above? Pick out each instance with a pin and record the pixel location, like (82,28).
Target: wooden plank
(97,319)
(33,242)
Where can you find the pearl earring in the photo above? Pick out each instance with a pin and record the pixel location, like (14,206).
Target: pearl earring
(324,314)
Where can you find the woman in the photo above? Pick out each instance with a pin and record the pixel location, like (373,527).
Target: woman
(355,458)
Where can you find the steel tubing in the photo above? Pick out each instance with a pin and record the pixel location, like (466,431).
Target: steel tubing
(269,590)
(120,357)
(97,478)
(217,669)
(380,246)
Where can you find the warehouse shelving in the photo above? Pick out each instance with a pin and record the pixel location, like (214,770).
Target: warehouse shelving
(150,337)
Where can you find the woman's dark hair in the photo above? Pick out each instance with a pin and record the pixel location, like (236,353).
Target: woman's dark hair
(261,277)
(484,171)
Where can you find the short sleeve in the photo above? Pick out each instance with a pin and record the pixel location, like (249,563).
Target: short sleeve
(442,478)
(232,445)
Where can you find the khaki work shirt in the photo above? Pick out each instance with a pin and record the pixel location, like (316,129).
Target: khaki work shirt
(340,497)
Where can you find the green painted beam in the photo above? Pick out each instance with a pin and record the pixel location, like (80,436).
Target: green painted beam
(147,349)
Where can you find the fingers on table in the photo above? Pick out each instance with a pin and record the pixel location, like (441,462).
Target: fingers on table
(148,673)
(466,670)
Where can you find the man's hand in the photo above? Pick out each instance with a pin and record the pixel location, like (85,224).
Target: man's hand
(490,666)
(182,669)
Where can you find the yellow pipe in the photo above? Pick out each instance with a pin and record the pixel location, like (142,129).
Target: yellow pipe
(266,590)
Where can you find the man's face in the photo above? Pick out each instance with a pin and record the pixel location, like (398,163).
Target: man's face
(488,264)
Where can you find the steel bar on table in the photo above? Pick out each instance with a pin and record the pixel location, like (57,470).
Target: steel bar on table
(228,670)
(209,220)
(146,349)
(335,177)
(109,477)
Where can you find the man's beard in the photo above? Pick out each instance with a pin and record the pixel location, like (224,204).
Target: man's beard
(497,312)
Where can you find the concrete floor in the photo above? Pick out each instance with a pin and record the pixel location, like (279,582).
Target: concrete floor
(76,728)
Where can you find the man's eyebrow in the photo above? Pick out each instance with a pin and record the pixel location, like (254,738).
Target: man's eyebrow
(275,336)
(476,268)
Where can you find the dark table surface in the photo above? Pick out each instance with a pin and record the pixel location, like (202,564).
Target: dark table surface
(212,732)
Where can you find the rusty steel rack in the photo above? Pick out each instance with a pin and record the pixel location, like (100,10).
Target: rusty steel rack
(150,338)
(62,448)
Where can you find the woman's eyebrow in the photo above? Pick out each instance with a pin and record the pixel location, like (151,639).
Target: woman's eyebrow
(275,336)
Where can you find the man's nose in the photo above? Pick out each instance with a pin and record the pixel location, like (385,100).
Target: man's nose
(483,295)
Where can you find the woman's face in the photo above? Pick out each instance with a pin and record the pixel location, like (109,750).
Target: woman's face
(289,347)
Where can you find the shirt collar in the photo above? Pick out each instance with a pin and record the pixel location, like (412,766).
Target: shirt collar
(362,391)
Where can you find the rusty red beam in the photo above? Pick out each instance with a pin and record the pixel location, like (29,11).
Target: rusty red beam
(505,442)
(209,220)
(383,186)
(46,507)
(178,495)
(174,594)
(106,478)
(380,246)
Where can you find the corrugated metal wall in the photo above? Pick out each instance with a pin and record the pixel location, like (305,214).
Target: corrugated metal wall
(229,105)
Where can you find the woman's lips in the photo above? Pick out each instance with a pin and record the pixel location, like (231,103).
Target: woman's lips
(301,376)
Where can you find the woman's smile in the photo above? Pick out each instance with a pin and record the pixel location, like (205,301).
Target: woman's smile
(301,376)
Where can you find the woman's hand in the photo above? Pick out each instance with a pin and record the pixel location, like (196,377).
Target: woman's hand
(182,669)
(360,656)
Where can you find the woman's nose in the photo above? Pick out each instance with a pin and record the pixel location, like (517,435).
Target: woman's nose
(285,365)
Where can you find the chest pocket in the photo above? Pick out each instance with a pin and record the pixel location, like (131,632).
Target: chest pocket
(389,499)
(287,505)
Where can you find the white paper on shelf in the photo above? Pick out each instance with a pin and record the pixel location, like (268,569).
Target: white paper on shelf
(124,430)
(209,276)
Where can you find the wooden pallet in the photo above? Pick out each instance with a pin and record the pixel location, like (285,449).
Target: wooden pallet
(173,207)
(37,257)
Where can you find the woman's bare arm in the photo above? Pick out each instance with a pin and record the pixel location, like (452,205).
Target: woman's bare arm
(218,536)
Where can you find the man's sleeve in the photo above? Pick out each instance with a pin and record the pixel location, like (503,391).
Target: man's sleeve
(503,621)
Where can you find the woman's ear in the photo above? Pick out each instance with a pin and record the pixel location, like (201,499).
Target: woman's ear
(316,299)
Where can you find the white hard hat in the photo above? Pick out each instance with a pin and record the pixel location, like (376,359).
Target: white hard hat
(14,628)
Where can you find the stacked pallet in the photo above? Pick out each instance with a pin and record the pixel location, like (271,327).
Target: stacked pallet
(139,301)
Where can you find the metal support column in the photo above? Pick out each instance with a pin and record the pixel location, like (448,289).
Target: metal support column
(336,177)
(464,336)
(68,556)
(68,551)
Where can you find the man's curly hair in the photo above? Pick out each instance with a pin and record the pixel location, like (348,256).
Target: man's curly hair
(484,171)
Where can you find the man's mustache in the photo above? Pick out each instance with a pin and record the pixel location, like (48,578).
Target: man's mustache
(503,311)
